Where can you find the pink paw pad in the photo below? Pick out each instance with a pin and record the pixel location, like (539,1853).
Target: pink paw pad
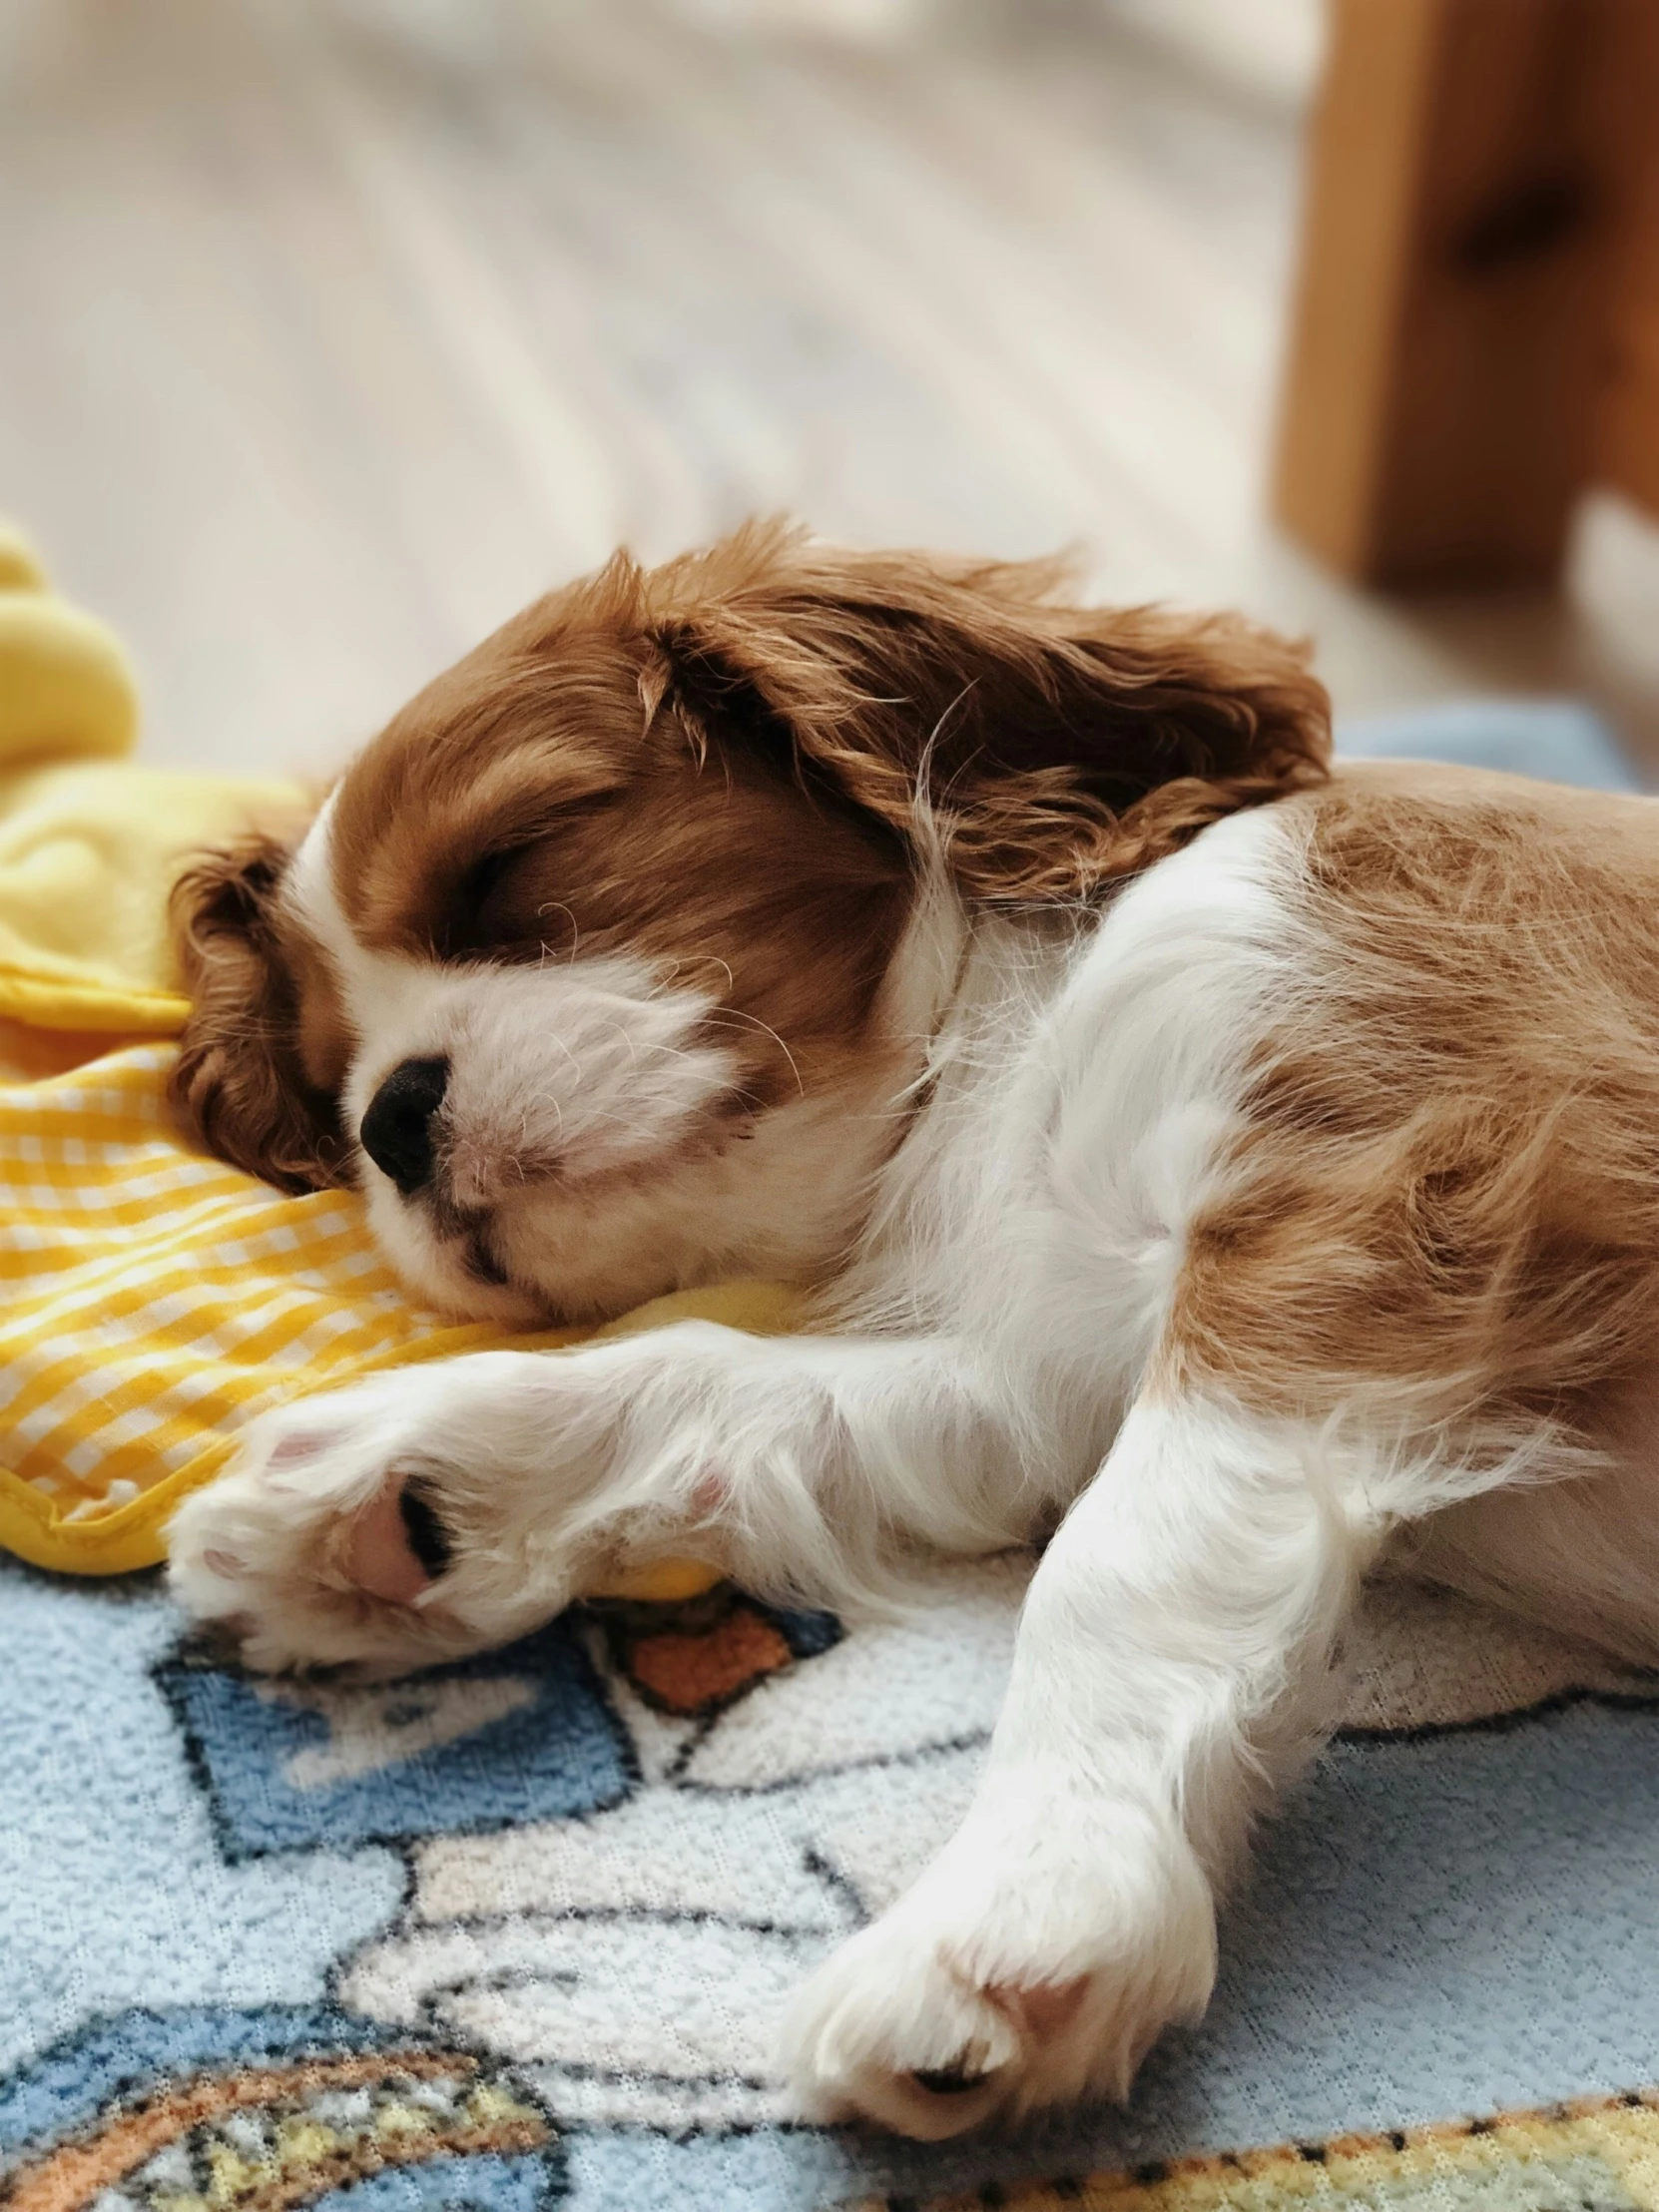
(379,1556)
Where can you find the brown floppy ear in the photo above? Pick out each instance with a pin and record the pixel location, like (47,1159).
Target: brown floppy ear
(238,1083)
(1058,747)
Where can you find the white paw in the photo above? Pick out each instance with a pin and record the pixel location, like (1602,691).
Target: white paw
(406,1520)
(1033,1964)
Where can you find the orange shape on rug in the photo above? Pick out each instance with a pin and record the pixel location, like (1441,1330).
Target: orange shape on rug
(688,1674)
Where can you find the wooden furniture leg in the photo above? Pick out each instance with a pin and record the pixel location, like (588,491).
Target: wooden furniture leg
(1470,171)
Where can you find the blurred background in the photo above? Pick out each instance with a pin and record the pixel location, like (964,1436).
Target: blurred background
(331,331)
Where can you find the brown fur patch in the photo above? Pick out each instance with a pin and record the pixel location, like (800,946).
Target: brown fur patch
(1059,748)
(265,1043)
(531,808)
(1446,1196)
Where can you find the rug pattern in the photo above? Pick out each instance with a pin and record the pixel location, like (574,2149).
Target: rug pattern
(515,1934)
(1600,2154)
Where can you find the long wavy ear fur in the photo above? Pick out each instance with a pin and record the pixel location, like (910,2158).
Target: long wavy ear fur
(238,1084)
(1059,748)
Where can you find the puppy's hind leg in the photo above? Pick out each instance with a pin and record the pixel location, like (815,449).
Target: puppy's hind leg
(1579,1556)
(1173,1660)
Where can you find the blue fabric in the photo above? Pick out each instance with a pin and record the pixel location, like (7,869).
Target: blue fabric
(558,1753)
(1466,1922)
(1554,740)
(112,1892)
(487,2184)
(137,2050)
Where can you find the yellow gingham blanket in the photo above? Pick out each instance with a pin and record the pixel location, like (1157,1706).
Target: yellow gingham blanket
(153,1300)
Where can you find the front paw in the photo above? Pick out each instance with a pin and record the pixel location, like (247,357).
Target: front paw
(1035,1963)
(387,1526)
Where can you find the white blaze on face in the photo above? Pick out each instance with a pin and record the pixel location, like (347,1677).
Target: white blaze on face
(587,1068)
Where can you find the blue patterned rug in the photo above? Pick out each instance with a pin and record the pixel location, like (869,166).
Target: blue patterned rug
(515,1934)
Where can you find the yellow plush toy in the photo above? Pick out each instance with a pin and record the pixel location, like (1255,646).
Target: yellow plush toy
(89,844)
(155,1299)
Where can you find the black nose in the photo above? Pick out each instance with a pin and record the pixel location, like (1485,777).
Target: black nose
(397,1130)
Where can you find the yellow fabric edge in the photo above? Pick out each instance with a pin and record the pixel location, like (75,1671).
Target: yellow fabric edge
(131,1536)
(59,1005)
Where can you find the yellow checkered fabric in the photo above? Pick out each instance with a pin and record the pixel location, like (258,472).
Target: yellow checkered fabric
(153,1300)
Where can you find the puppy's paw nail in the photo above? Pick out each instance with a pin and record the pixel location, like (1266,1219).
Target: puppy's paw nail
(222,1563)
(289,1465)
(953,2081)
(1047,2008)
(303,1446)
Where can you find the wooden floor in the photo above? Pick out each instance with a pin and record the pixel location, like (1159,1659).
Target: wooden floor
(328,334)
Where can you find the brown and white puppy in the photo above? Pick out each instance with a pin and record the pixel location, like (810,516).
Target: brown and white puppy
(627,885)
(1251,1184)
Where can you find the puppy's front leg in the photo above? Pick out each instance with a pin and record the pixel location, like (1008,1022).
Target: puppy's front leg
(1173,1659)
(440,1510)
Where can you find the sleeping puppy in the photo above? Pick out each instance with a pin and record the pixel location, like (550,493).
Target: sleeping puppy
(1239,1168)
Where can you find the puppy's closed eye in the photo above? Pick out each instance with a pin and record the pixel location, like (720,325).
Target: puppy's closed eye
(499,909)
(473,909)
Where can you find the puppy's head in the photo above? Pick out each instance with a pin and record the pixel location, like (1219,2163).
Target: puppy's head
(606,966)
